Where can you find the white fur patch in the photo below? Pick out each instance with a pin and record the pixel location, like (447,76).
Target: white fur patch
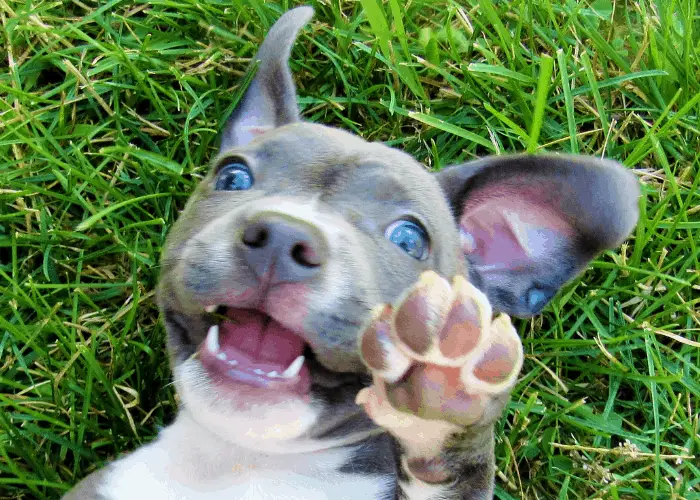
(263,427)
(417,490)
(187,462)
(274,428)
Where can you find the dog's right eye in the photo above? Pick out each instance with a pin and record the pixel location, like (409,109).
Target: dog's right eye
(234,177)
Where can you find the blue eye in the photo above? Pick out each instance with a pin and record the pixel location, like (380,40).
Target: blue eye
(537,298)
(410,237)
(234,177)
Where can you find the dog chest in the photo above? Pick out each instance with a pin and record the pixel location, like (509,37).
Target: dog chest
(161,471)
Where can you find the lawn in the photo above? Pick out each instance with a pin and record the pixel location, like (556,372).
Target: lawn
(109,113)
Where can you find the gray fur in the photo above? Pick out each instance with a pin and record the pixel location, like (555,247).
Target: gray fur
(349,191)
(271,98)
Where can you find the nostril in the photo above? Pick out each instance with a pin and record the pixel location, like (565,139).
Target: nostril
(304,255)
(256,236)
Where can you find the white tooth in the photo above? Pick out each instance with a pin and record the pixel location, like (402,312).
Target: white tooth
(259,371)
(273,374)
(294,368)
(222,356)
(210,309)
(232,362)
(213,339)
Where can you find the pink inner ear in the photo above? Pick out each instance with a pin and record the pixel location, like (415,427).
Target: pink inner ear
(256,130)
(510,229)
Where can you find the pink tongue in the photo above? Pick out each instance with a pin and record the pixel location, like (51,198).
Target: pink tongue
(259,338)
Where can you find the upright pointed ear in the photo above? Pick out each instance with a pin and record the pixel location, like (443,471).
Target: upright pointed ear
(528,224)
(270,101)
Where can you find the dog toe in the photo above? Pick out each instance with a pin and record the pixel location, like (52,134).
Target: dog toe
(420,315)
(496,369)
(378,348)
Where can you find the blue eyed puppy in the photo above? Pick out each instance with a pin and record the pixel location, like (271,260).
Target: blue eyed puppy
(337,316)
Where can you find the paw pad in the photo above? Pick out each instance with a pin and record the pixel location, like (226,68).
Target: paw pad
(441,322)
(438,354)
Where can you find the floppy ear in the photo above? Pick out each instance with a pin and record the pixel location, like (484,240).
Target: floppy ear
(270,101)
(528,224)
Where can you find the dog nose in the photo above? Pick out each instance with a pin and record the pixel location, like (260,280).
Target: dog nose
(294,250)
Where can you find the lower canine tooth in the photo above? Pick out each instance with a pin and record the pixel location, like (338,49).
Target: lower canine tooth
(232,362)
(294,368)
(222,356)
(213,339)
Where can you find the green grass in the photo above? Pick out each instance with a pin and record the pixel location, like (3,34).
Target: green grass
(109,113)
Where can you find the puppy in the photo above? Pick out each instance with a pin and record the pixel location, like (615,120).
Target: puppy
(337,316)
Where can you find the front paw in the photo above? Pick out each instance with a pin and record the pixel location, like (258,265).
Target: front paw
(440,357)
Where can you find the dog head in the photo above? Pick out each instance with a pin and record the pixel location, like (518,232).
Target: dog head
(299,230)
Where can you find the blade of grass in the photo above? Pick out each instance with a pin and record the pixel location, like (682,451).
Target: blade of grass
(543,83)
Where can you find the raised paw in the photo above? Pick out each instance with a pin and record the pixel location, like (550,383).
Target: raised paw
(439,355)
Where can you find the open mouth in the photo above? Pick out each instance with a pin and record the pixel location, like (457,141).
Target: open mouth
(249,347)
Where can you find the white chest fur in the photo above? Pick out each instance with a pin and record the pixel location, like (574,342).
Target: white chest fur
(185,462)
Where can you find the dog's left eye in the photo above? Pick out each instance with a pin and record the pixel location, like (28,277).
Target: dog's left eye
(234,177)
(410,237)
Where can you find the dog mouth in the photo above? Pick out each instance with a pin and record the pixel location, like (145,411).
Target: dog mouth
(250,348)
